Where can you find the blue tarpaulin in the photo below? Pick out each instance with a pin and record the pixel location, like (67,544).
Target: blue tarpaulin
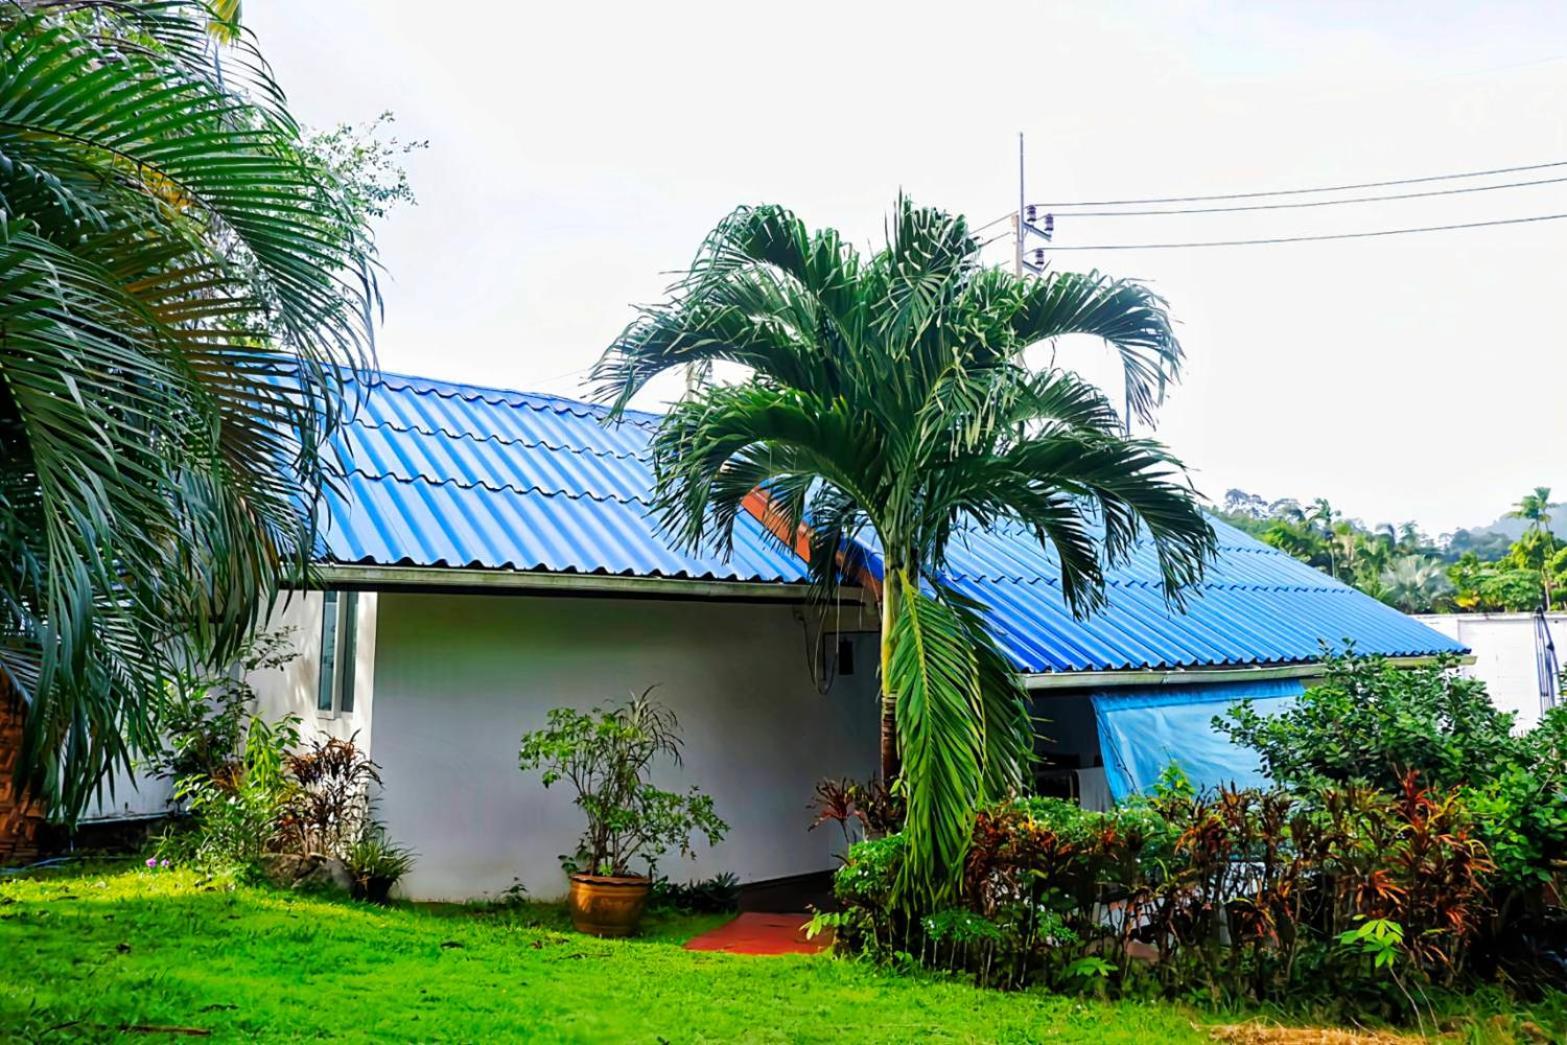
(1143,729)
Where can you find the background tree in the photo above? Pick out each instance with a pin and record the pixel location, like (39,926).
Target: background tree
(1415,584)
(1536,547)
(180,281)
(887,406)
(1485,571)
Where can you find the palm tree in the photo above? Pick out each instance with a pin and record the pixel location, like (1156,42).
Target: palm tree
(1322,517)
(1535,508)
(887,405)
(178,286)
(1415,583)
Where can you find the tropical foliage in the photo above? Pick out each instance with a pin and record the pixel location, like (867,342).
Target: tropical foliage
(1462,571)
(180,282)
(1412,842)
(886,401)
(607,757)
(1345,897)
(1371,722)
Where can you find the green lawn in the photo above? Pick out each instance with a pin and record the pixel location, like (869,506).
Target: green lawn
(84,954)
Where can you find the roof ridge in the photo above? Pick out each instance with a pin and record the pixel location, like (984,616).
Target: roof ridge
(409,480)
(503,396)
(1118,582)
(532,444)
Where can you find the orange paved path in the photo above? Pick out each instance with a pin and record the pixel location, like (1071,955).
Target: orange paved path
(757,933)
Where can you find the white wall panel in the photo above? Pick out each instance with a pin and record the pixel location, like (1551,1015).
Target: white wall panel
(460,677)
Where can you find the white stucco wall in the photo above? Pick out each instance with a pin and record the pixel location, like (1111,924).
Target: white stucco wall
(459,678)
(130,796)
(1503,645)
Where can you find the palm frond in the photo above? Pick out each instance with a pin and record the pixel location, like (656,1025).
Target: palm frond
(181,291)
(1131,318)
(941,737)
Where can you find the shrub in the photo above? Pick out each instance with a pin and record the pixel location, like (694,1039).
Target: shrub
(328,807)
(1228,895)
(715,895)
(202,719)
(607,754)
(1371,721)
(375,864)
(235,814)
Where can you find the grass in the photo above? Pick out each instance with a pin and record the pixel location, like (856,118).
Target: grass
(89,954)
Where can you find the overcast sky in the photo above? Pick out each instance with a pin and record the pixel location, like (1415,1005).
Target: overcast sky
(579,152)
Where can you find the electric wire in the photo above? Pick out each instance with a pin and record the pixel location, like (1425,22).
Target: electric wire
(1310,203)
(1008,216)
(1305,192)
(1307,239)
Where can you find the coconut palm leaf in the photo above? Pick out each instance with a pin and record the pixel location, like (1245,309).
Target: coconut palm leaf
(180,290)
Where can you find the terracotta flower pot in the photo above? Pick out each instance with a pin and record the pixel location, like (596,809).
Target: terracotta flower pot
(602,905)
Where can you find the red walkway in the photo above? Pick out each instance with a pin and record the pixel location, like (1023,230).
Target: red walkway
(757,933)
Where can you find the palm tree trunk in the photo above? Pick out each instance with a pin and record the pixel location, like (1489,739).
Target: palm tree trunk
(890,763)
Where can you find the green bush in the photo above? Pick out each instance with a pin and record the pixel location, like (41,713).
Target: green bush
(235,816)
(1372,722)
(1227,895)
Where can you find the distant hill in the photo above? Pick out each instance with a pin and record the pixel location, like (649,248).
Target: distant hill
(1496,537)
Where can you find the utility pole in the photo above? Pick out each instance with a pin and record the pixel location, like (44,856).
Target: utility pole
(1026,223)
(1017,219)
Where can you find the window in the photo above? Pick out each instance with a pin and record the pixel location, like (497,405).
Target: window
(339,619)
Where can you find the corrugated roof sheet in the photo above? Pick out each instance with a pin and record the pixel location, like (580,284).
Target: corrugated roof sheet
(1255,605)
(461,476)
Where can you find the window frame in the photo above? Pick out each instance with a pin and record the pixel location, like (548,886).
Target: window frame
(336,675)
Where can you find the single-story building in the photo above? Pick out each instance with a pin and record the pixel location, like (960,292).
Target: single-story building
(490,557)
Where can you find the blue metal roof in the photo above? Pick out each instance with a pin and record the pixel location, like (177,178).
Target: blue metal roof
(448,475)
(451,475)
(1255,605)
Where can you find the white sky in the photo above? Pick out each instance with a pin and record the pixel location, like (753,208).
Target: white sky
(579,152)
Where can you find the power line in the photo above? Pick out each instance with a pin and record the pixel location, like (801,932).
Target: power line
(1008,216)
(1311,203)
(1310,239)
(1307,192)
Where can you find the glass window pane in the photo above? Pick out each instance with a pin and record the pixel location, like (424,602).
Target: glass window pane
(345,652)
(328,672)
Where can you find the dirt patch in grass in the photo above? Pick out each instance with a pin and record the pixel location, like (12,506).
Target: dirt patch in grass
(1262,1034)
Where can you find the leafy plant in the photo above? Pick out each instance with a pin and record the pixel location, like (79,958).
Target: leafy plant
(1370,720)
(714,895)
(1225,895)
(329,805)
(607,754)
(860,810)
(234,817)
(375,863)
(887,396)
(201,719)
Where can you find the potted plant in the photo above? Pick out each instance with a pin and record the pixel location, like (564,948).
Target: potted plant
(607,755)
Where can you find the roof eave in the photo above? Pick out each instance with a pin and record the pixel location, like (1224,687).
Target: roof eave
(1052,680)
(372,577)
